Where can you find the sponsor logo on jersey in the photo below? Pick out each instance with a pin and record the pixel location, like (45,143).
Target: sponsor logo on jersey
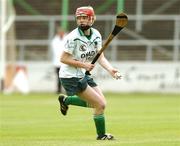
(88,55)
(82,48)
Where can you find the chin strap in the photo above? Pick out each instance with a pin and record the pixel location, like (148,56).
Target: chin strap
(83,28)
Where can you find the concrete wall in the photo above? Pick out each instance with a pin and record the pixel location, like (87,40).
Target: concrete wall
(136,77)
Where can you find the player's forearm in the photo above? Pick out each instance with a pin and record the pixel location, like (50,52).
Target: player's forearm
(105,63)
(77,64)
(72,62)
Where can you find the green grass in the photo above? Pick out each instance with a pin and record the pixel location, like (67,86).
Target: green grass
(135,120)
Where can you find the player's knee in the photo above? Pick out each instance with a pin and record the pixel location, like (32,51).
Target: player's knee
(102,105)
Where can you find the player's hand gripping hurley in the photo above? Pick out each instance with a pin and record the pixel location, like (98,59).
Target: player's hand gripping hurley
(121,22)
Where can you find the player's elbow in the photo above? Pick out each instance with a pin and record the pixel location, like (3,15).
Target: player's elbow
(66,60)
(61,59)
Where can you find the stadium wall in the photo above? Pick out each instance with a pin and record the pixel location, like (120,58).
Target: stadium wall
(136,77)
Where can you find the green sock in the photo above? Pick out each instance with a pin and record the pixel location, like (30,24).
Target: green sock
(75,100)
(100,124)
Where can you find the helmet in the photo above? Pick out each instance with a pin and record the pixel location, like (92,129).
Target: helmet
(86,11)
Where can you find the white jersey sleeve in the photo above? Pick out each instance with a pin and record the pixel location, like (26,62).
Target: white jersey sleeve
(69,46)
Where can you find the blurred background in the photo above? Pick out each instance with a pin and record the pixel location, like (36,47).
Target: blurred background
(146,52)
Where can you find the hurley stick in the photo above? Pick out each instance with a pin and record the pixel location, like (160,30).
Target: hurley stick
(121,22)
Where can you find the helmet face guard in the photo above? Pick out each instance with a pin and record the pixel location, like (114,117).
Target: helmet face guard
(86,11)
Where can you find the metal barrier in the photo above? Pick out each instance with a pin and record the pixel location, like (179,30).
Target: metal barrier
(138,40)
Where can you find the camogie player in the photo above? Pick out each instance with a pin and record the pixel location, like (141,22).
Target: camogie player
(81,46)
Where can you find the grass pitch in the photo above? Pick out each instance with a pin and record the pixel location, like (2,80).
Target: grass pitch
(134,119)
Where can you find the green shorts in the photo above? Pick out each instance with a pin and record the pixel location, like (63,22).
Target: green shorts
(75,85)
